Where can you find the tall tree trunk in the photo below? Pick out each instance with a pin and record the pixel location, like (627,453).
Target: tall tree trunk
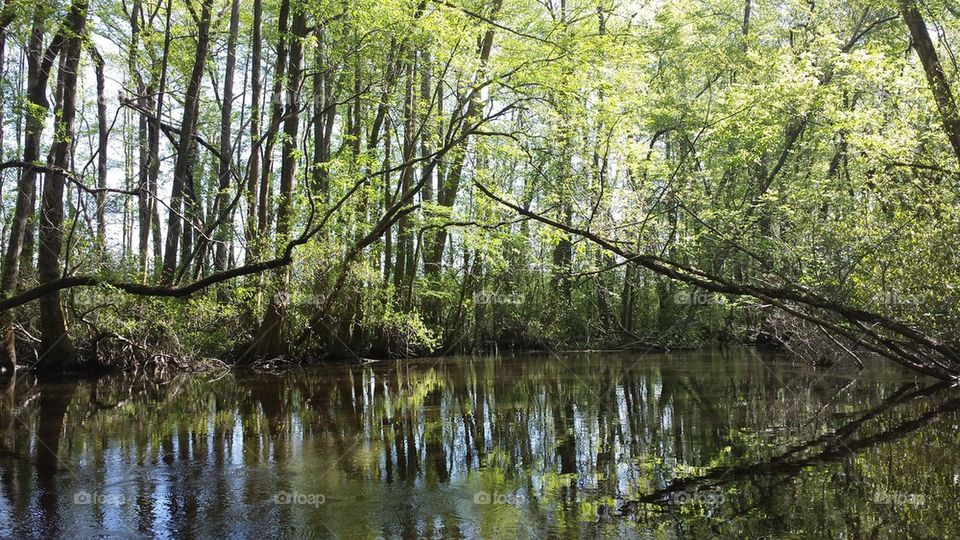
(561,280)
(330,106)
(143,138)
(447,192)
(387,203)
(57,352)
(270,341)
(936,78)
(325,111)
(186,155)
(102,127)
(291,127)
(226,142)
(404,234)
(3,65)
(745,27)
(276,115)
(39,64)
(153,135)
(29,231)
(253,174)
(426,147)
(601,164)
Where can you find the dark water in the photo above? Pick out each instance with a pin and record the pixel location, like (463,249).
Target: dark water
(688,445)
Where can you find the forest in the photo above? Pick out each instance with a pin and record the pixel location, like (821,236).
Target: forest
(479,269)
(189,183)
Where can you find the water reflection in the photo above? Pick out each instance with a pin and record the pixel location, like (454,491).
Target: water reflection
(678,445)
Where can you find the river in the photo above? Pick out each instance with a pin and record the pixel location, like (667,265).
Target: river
(733,443)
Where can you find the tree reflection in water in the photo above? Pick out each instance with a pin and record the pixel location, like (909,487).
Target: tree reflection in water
(682,445)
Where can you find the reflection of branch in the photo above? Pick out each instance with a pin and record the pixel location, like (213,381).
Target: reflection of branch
(836,446)
(902,395)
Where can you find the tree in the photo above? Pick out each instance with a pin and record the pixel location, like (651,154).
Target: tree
(56,347)
(39,63)
(471,175)
(939,86)
(182,208)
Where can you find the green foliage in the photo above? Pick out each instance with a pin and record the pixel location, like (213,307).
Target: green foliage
(801,149)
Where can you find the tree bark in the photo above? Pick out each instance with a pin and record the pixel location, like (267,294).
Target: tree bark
(269,336)
(56,348)
(153,135)
(143,138)
(39,64)
(939,86)
(226,142)
(291,127)
(102,129)
(186,154)
(404,234)
(253,174)
(325,111)
(447,191)
(276,115)
(3,65)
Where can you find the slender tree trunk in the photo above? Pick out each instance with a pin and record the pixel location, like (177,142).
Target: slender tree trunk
(447,193)
(226,143)
(39,63)
(426,87)
(387,203)
(143,138)
(563,255)
(3,66)
(291,126)
(601,165)
(153,134)
(270,341)
(330,106)
(186,155)
(56,348)
(276,115)
(628,302)
(102,128)
(253,174)
(325,111)
(404,234)
(745,28)
(29,230)
(936,78)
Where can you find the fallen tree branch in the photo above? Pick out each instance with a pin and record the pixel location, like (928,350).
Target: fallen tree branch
(936,357)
